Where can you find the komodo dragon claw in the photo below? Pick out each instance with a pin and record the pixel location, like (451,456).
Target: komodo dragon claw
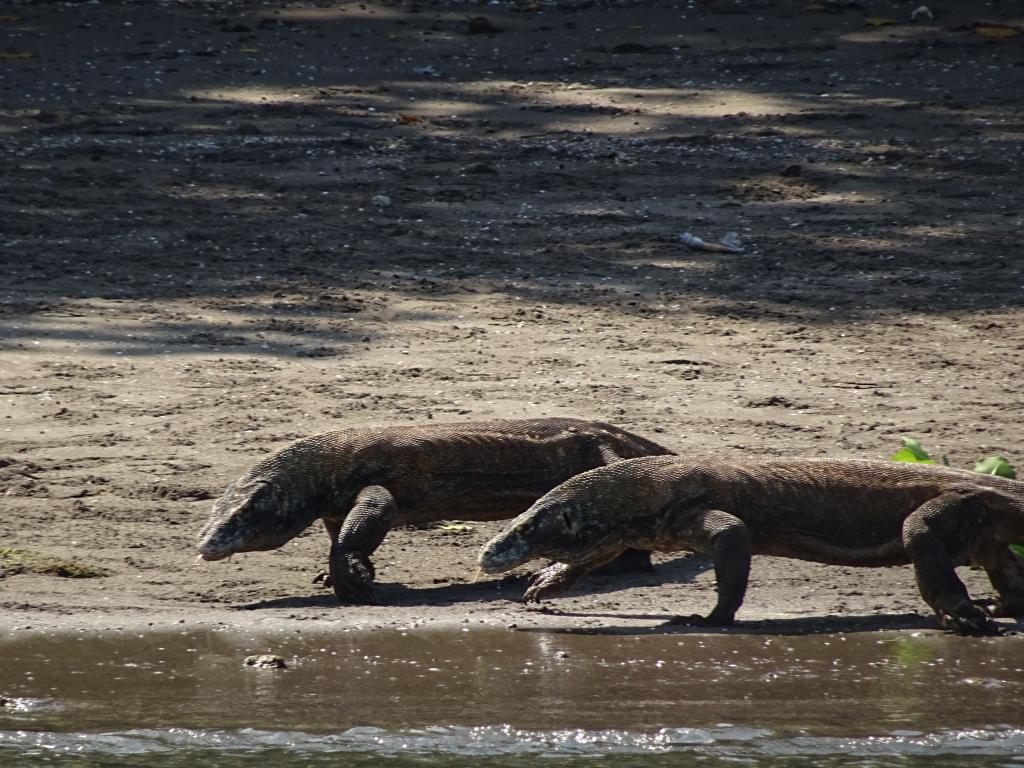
(548,581)
(976,624)
(351,577)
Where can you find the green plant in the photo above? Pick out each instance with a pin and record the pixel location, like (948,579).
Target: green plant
(914,453)
(14,561)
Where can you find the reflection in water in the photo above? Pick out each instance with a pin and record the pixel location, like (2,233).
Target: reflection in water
(512,698)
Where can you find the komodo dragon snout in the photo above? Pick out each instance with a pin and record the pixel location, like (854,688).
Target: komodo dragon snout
(249,517)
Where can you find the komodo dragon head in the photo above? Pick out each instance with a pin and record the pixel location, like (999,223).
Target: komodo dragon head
(252,515)
(590,517)
(273,502)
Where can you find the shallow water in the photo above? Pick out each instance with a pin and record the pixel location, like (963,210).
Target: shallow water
(512,698)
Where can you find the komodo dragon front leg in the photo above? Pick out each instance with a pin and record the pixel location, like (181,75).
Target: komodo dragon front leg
(354,540)
(726,538)
(937,535)
(558,577)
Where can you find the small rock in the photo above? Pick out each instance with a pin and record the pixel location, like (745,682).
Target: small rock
(791,171)
(265,661)
(381,201)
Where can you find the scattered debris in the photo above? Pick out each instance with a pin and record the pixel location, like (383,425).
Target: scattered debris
(732,240)
(771,401)
(924,12)
(728,244)
(478,168)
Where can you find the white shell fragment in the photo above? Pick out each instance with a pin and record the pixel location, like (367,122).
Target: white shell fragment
(728,244)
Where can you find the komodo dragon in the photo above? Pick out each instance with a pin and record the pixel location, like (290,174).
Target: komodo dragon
(363,482)
(837,511)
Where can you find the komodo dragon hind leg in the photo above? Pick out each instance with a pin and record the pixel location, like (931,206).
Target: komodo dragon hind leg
(1005,570)
(926,532)
(365,526)
(727,539)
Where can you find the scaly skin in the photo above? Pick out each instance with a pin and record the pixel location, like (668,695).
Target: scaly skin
(838,511)
(363,482)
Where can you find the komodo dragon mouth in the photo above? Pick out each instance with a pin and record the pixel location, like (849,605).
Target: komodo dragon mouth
(210,556)
(246,519)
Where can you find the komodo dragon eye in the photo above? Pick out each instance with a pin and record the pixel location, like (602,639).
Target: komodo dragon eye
(567,520)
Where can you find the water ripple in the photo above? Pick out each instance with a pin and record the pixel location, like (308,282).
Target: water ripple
(726,741)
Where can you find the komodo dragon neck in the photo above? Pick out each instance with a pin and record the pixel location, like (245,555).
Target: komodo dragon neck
(319,473)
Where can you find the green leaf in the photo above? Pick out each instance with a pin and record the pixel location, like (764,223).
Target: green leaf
(912,452)
(995,465)
(1018,548)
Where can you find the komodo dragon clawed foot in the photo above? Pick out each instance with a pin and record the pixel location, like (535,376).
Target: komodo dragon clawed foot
(970,620)
(999,609)
(1004,609)
(558,577)
(548,581)
(351,577)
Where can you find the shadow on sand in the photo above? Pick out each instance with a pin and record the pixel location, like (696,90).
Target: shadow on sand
(509,589)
